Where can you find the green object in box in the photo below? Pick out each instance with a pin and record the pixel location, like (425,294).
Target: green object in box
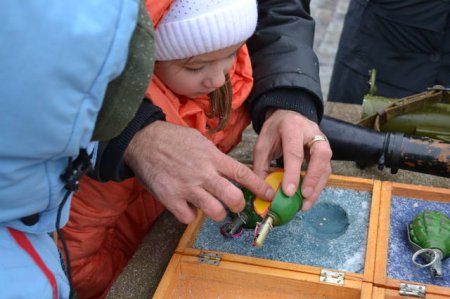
(431,229)
(429,237)
(248,218)
(280,211)
(284,208)
(262,215)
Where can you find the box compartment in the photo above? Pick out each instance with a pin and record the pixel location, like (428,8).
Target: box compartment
(389,287)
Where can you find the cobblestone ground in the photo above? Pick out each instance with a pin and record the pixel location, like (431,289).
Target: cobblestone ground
(329,16)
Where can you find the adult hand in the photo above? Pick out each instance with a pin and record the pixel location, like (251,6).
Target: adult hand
(185,171)
(287,133)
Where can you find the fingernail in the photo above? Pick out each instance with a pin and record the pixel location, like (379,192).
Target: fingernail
(270,193)
(307,192)
(290,189)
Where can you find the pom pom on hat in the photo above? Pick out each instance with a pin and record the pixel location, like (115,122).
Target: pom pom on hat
(194,27)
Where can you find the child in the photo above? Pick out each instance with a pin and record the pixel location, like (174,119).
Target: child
(201,80)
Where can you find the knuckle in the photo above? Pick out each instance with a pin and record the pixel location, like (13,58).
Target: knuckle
(242,172)
(224,191)
(327,151)
(323,149)
(314,177)
(259,146)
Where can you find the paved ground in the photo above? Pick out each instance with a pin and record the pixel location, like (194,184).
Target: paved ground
(140,278)
(329,16)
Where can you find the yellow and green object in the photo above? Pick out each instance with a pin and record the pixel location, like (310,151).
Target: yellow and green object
(279,211)
(262,215)
(247,218)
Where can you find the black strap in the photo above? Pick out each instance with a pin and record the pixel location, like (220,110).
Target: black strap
(71,178)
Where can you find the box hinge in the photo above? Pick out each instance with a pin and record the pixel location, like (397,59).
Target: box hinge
(408,289)
(332,277)
(209,258)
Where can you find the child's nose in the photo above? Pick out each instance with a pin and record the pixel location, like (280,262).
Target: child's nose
(215,80)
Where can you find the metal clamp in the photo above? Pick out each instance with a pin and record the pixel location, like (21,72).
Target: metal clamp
(407,289)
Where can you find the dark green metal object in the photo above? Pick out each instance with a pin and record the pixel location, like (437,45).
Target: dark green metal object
(431,229)
(283,208)
(411,133)
(429,237)
(245,219)
(365,144)
(432,121)
(426,114)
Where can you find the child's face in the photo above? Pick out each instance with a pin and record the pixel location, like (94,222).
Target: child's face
(198,75)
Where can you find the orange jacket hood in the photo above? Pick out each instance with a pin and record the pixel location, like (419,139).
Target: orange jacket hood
(157,9)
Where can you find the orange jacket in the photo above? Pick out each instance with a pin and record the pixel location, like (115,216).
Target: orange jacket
(109,220)
(193,112)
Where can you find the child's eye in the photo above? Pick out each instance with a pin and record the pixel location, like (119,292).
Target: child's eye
(195,69)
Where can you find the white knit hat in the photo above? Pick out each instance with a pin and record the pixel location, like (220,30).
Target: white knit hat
(194,27)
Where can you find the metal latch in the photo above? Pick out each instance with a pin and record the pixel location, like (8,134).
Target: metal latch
(332,277)
(407,289)
(209,258)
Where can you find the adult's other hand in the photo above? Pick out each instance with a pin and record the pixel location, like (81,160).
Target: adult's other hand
(288,133)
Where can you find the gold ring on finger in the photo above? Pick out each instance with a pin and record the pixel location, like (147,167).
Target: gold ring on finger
(315,139)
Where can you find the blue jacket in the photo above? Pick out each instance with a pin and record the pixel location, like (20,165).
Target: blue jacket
(56,59)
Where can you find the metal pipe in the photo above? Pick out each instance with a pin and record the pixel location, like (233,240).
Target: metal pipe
(350,142)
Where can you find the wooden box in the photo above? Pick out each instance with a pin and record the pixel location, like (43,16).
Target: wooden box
(384,286)
(198,273)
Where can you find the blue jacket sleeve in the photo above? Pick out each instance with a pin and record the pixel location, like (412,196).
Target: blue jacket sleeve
(56,62)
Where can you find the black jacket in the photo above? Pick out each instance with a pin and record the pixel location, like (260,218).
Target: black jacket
(406,41)
(285,70)
(285,67)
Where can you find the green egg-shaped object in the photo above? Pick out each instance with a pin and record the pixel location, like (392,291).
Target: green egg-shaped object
(431,229)
(284,207)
